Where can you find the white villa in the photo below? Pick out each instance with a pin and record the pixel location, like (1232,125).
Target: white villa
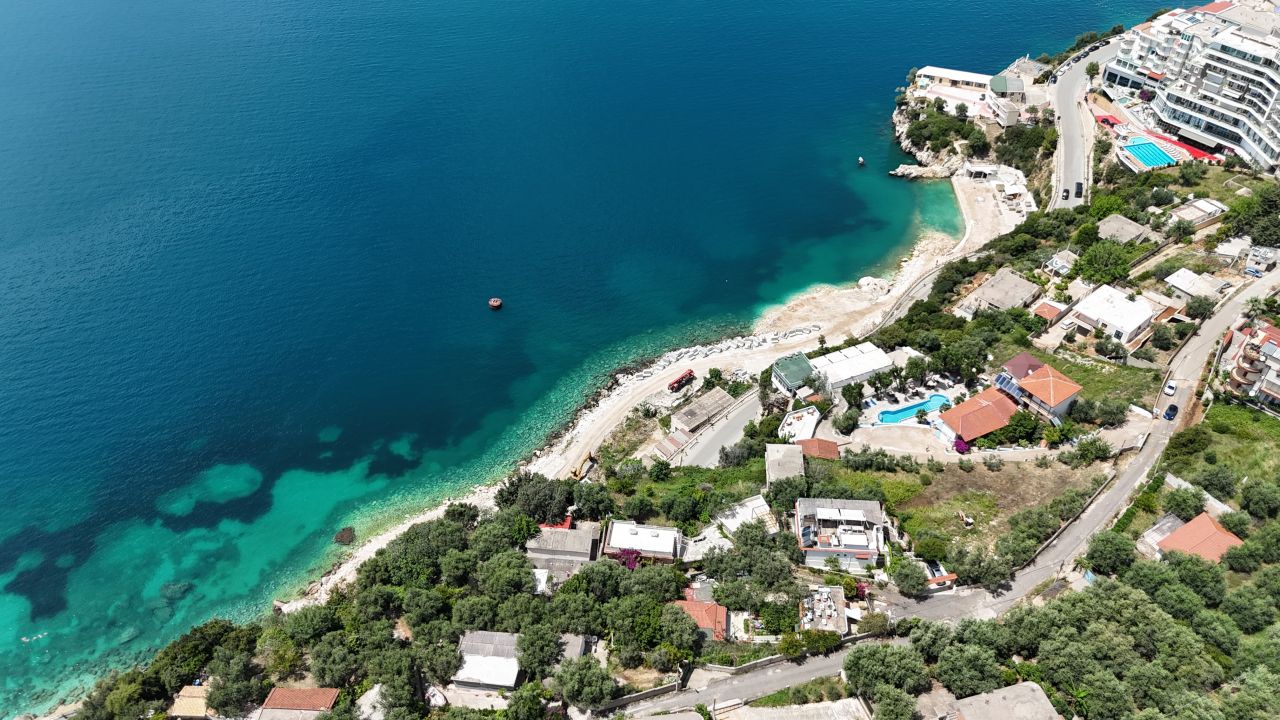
(1121,318)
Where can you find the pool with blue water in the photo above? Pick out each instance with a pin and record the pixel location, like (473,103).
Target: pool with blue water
(1149,154)
(929,404)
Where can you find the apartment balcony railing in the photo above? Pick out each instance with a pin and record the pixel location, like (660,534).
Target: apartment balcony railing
(1242,376)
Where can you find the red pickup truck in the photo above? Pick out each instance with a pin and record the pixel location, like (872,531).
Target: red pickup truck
(681,382)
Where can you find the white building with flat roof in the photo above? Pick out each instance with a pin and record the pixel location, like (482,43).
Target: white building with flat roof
(851,365)
(933,75)
(800,424)
(1214,72)
(1121,318)
(782,461)
(650,541)
(489,661)
(1184,285)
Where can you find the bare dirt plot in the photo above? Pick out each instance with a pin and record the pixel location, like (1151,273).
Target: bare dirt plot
(989,497)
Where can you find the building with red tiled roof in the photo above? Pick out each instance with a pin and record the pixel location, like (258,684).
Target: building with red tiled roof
(712,618)
(1203,536)
(1022,365)
(981,414)
(819,448)
(1049,310)
(297,703)
(1049,391)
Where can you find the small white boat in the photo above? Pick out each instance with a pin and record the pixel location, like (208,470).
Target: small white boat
(861,162)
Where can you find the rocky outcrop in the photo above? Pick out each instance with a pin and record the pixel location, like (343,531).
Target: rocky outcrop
(944,169)
(345,536)
(931,164)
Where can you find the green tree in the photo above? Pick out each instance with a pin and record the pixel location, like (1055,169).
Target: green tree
(1179,601)
(1162,337)
(1104,262)
(592,501)
(1236,522)
(1181,229)
(439,661)
(1218,481)
(1205,578)
(1250,608)
(893,704)
(638,507)
(1260,498)
(791,646)
(505,574)
(1185,503)
(931,638)
(1110,552)
(1217,629)
(281,656)
(235,686)
(518,612)
(910,578)
(1200,307)
(538,649)
(333,663)
(1252,696)
(539,497)
(584,684)
(660,471)
(846,422)
(869,665)
(1091,70)
(968,670)
(526,703)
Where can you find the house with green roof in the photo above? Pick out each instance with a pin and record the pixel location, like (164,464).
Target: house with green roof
(790,372)
(1010,88)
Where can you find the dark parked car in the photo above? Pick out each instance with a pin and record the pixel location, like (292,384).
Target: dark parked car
(1079,189)
(1065,193)
(1171,412)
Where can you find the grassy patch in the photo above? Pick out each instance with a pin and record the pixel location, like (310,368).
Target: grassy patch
(1102,380)
(1222,184)
(1243,440)
(827,688)
(990,498)
(735,654)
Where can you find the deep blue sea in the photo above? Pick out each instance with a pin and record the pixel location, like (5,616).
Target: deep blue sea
(245,249)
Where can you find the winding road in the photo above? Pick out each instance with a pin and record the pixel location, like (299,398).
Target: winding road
(1185,371)
(1072,162)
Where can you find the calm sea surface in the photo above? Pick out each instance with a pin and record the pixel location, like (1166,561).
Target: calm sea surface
(245,250)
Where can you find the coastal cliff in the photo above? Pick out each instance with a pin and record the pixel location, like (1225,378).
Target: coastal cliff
(930,164)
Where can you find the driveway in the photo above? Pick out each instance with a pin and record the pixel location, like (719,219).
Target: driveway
(1072,163)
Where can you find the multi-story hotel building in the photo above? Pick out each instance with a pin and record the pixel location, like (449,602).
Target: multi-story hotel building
(1215,73)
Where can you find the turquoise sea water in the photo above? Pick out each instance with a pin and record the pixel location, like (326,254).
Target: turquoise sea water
(245,250)
(929,404)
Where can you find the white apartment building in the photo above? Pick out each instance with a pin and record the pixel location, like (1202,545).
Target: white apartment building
(1215,72)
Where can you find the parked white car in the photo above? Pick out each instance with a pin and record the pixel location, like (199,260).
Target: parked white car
(1170,388)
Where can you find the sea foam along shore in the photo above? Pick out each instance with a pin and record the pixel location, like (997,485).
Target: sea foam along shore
(835,311)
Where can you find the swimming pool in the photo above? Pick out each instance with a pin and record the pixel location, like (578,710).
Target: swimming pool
(1149,154)
(929,404)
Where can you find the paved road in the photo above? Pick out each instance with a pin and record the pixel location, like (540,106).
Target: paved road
(1072,163)
(704,451)
(1060,556)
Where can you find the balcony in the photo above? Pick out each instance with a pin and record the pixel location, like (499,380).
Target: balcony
(1242,377)
(1251,353)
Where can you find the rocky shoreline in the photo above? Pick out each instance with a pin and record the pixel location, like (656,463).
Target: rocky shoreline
(930,165)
